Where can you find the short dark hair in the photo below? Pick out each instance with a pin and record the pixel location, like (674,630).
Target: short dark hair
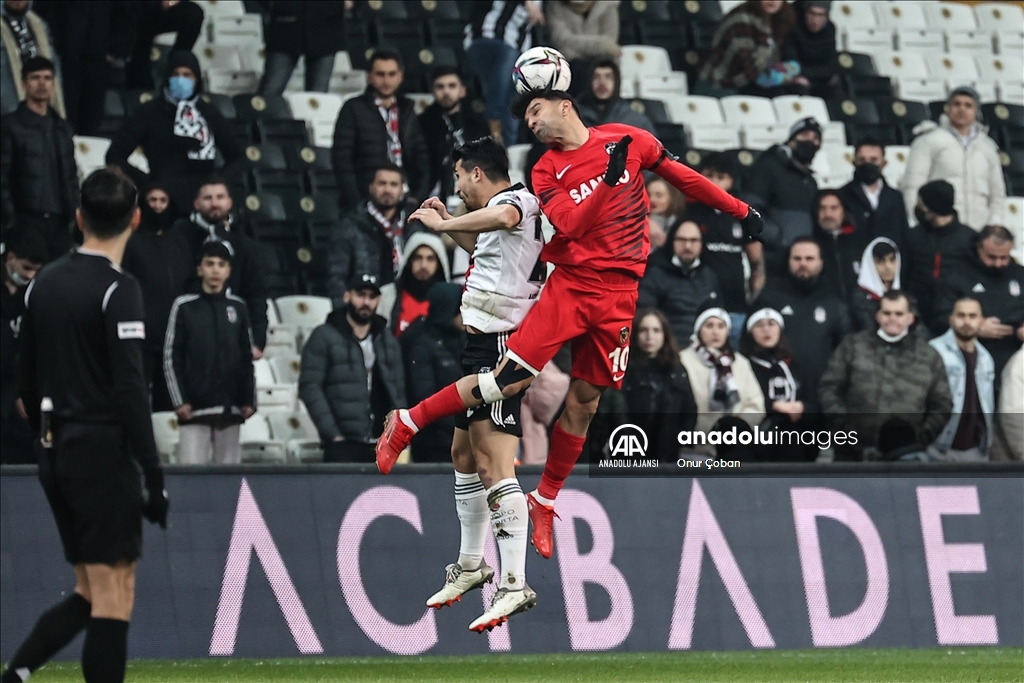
(995,232)
(109,200)
(385,54)
(388,166)
(899,295)
(803,239)
(213,180)
(34,64)
(718,162)
(216,249)
(445,70)
(821,194)
(607,64)
(28,244)
(869,141)
(486,154)
(967,297)
(522,102)
(881,250)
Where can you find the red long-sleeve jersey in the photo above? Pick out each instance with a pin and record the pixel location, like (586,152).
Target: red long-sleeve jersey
(602,227)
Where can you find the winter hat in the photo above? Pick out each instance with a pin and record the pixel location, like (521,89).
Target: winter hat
(713,312)
(937,196)
(188,60)
(806,123)
(765,314)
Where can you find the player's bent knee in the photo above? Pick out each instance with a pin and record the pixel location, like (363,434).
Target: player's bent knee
(497,386)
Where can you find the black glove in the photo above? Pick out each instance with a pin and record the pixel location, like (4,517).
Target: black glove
(752,225)
(617,161)
(154,498)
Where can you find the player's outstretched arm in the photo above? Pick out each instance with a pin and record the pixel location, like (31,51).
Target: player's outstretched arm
(696,186)
(488,219)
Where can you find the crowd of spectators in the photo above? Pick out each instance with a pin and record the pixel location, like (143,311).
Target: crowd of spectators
(896,312)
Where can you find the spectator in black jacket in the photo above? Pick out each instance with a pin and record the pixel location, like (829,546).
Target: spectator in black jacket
(782,188)
(179,133)
(816,320)
(676,282)
(446,124)
(432,348)
(879,272)
(875,208)
(26,254)
(208,363)
(154,17)
(812,43)
(603,103)
(935,247)
(38,175)
(842,245)
(376,128)
(352,375)
(314,30)
(159,260)
(991,275)
(212,221)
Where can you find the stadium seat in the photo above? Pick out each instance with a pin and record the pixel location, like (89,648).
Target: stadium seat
(280,342)
(420,101)
(968,43)
(655,110)
(307,158)
(742,161)
(297,431)
(920,40)
(345,83)
(895,163)
(313,107)
(257,445)
(921,89)
(1004,68)
(653,87)
(988,90)
(302,207)
(902,115)
(1012,92)
(950,16)
(1015,224)
(231,82)
(225,57)
(279,397)
(954,68)
(995,16)
(246,29)
(517,156)
(139,160)
(714,137)
(254,57)
(638,60)
(694,109)
(628,89)
(288,134)
(90,153)
(267,155)
(673,136)
(265,207)
(901,65)
(867,40)
(221,8)
(761,137)
(792,108)
(694,157)
(1010,42)
(320,181)
(862,120)
(840,162)
(264,373)
(286,368)
(901,16)
(1013,166)
(283,183)
(728,5)
(223,104)
(253,107)
(304,312)
(741,110)
(853,15)
(652,10)
(165,431)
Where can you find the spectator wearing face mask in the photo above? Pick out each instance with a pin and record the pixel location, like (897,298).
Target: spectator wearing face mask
(603,104)
(959,151)
(879,273)
(180,134)
(782,188)
(875,208)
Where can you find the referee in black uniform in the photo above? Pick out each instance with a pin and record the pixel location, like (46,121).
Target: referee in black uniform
(83,388)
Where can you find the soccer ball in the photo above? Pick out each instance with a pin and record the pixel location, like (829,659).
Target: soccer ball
(541,68)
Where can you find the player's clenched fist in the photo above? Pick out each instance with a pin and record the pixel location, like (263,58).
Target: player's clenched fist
(617,161)
(437,205)
(428,217)
(752,225)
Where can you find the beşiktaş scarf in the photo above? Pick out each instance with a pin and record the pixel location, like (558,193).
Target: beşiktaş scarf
(390,116)
(189,123)
(393,230)
(211,228)
(782,386)
(723,392)
(27,46)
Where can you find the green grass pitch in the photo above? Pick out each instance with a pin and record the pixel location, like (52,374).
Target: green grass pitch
(941,665)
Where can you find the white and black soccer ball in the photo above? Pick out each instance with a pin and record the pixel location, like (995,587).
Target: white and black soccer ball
(541,68)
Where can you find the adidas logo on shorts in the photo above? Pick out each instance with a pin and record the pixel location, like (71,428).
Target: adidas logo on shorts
(510,420)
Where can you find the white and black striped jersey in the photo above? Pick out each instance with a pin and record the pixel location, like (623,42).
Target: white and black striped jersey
(506,273)
(505,21)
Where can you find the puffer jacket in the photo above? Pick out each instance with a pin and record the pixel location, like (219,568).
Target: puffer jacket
(956,374)
(679,294)
(333,382)
(869,380)
(590,35)
(22,169)
(359,245)
(975,172)
(361,145)
(783,191)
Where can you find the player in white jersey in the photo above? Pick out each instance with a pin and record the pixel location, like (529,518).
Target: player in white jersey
(502,231)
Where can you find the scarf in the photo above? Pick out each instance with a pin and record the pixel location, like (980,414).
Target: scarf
(723,392)
(390,116)
(189,123)
(782,385)
(27,46)
(211,228)
(868,279)
(393,230)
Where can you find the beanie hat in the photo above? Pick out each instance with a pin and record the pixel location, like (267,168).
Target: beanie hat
(938,197)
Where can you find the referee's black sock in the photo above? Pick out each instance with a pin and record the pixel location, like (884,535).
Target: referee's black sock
(54,630)
(106,651)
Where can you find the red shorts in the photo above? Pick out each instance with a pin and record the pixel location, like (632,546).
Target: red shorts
(592,310)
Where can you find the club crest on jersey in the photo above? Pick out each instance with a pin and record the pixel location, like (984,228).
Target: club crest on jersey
(609,147)
(232,315)
(819,315)
(624,335)
(1014,288)
(737,232)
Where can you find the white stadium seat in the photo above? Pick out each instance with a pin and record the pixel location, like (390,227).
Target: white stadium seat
(165,431)
(763,137)
(253,57)
(264,373)
(314,106)
(895,163)
(304,312)
(90,153)
(950,16)
(840,162)
(257,444)
(280,341)
(638,60)
(996,16)
(920,41)
(1014,220)
(901,65)
(792,108)
(221,8)
(858,14)
(272,316)
(231,82)
(901,15)
(653,87)
(716,137)
(420,101)
(921,89)
(833,133)
(237,30)
(728,5)
(867,40)
(1012,92)
(297,431)
(955,69)
(277,397)
(1002,68)
(741,110)
(968,43)
(351,81)
(696,109)
(628,89)
(1010,42)
(226,57)
(517,156)
(287,368)
(988,90)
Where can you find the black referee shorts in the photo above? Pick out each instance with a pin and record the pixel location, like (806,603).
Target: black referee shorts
(95,491)
(483,352)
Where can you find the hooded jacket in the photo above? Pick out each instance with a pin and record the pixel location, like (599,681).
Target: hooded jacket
(390,305)
(869,291)
(956,374)
(333,382)
(974,172)
(931,254)
(783,191)
(152,127)
(361,145)
(679,294)
(11,89)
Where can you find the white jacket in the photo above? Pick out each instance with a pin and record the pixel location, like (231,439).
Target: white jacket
(1011,407)
(750,409)
(975,173)
(956,372)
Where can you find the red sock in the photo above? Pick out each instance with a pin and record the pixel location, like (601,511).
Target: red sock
(445,403)
(563,453)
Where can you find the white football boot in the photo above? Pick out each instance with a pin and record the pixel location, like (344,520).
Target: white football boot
(504,604)
(458,582)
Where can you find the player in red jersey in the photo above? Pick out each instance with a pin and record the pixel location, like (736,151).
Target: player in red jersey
(590,184)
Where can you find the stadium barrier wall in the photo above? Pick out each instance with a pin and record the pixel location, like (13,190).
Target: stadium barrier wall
(335,561)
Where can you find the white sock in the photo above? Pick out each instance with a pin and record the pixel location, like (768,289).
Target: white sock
(542,500)
(403,415)
(509,522)
(471,506)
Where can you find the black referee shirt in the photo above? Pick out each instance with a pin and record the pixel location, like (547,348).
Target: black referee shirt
(81,345)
